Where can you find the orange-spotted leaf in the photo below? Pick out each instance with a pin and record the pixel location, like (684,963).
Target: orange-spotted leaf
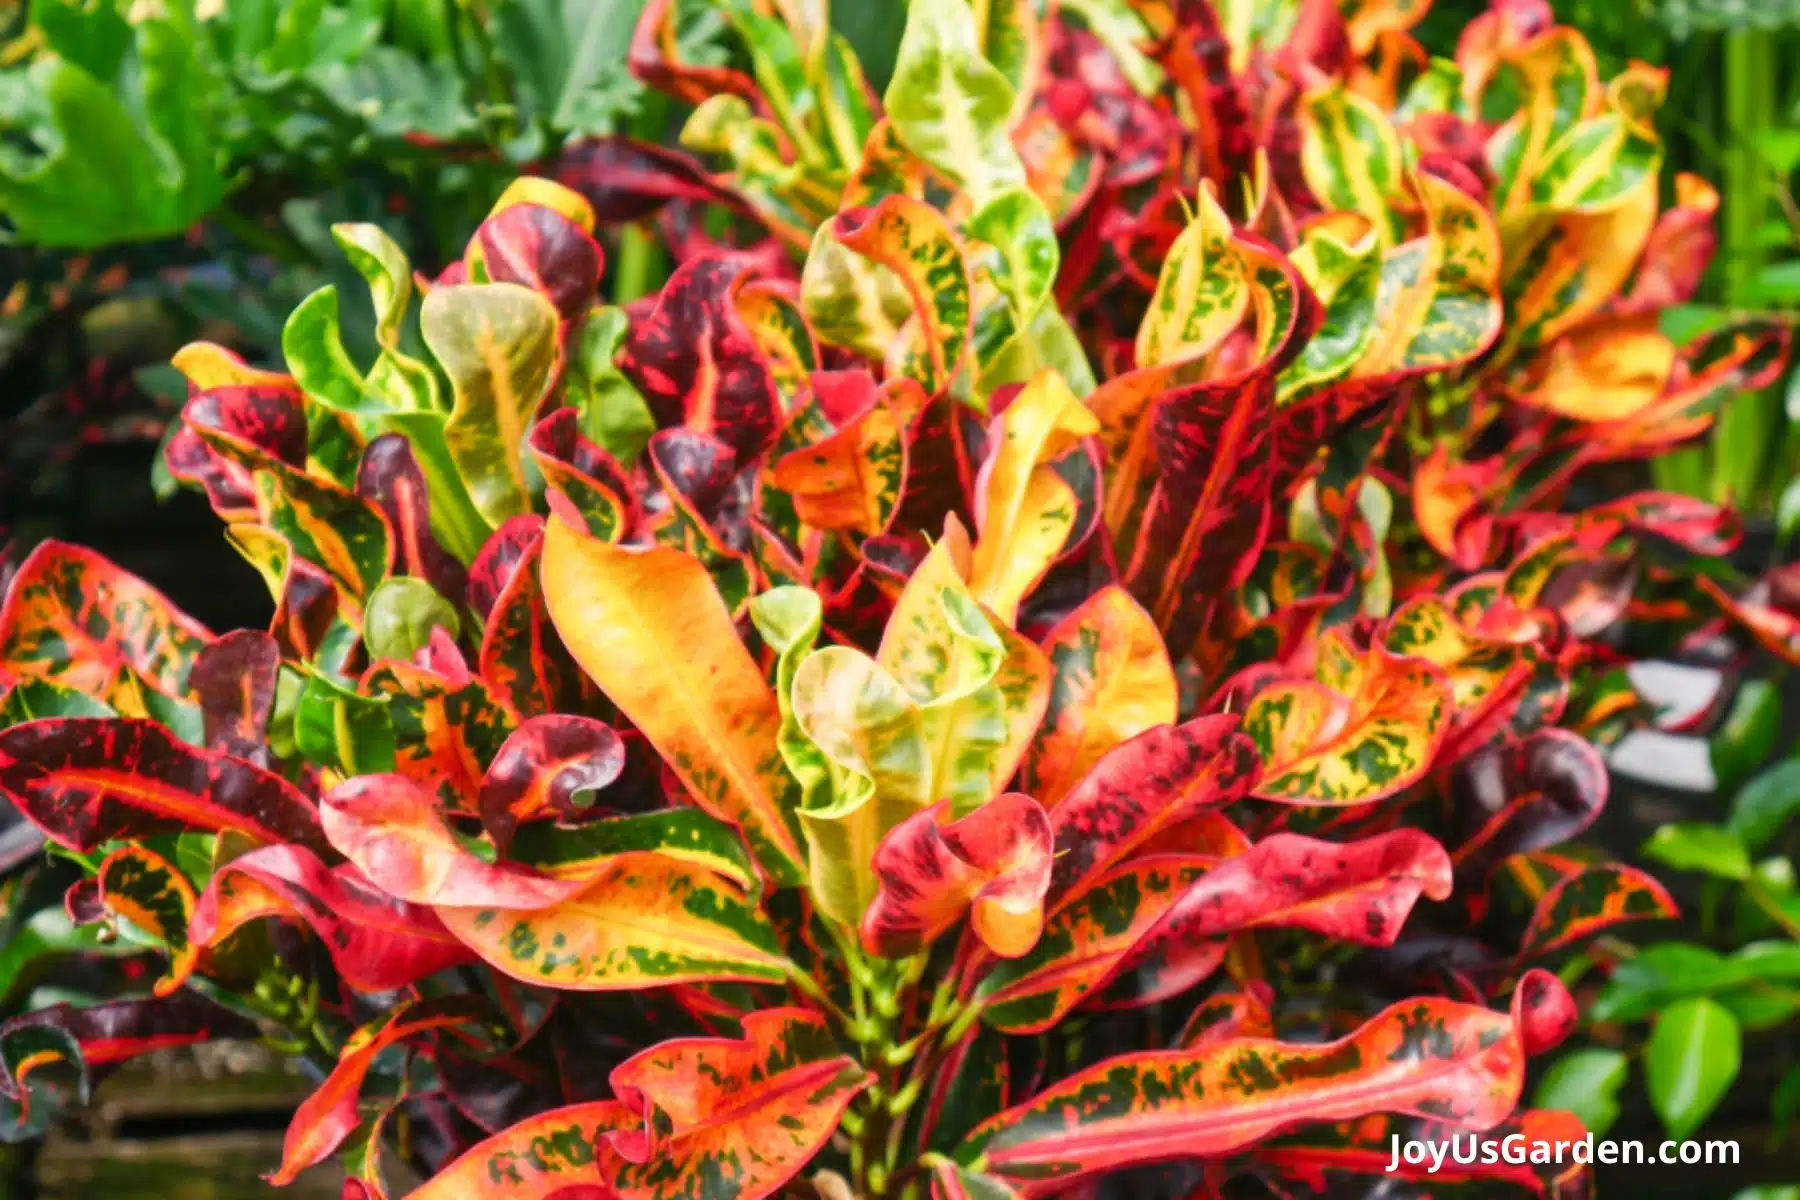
(85,781)
(233,681)
(650,629)
(446,727)
(546,769)
(851,479)
(746,1115)
(1455,1062)
(993,864)
(541,1158)
(73,618)
(1110,680)
(146,889)
(376,942)
(645,920)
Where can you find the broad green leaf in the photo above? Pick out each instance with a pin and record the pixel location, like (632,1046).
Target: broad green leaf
(338,728)
(613,414)
(1346,278)
(1695,846)
(1749,733)
(1585,1082)
(400,615)
(401,379)
(949,104)
(498,344)
(1351,156)
(1764,806)
(1690,1061)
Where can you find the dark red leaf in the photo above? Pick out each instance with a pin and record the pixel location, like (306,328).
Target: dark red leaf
(1529,795)
(389,478)
(544,768)
(233,680)
(541,249)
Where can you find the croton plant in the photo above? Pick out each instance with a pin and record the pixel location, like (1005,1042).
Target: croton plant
(1067,643)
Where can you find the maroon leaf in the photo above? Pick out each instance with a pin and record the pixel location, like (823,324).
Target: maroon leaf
(541,249)
(627,180)
(233,680)
(543,768)
(506,548)
(1532,794)
(268,418)
(87,780)
(587,475)
(389,478)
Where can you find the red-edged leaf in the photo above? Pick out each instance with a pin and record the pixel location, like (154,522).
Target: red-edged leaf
(389,477)
(1593,899)
(233,680)
(521,656)
(87,780)
(389,828)
(377,943)
(73,618)
(1680,247)
(993,864)
(328,1116)
(654,58)
(744,1115)
(696,364)
(500,557)
(1429,1057)
(626,180)
(593,482)
(142,886)
(270,417)
(544,766)
(1226,1015)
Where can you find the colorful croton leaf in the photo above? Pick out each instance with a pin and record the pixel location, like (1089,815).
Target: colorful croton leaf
(1086,553)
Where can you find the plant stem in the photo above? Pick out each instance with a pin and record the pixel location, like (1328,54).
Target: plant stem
(1759,896)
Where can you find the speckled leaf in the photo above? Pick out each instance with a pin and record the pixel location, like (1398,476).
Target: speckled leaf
(522,658)
(1351,155)
(1110,681)
(88,780)
(497,343)
(389,477)
(537,1159)
(685,834)
(1430,1057)
(233,681)
(649,628)
(269,417)
(143,887)
(1158,924)
(745,1115)
(949,104)
(914,241)
(993,864)
(594,483)
(73,618)
(644,920)
(850,479)
(445,728)
(376,942)
(538,247)
(1371,731)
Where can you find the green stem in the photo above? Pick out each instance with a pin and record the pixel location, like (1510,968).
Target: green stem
(1759,896)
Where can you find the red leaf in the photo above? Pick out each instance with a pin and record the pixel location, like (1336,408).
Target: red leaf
(586,475)
(377,943)
(267,417)
(388,826)
(389,478)
(541,249)
(87,780)
(627,180)
(696,363)
(500,558)
(993,863)
(1533,794)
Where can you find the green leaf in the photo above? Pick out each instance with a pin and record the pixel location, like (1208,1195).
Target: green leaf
(1769,1191)
(949,104)
(1694,846)
(335,727)
(1748,735)
(1585,1082)
(1774,286)
(497,343)
(1763,807)
(1689,1063)
(1784,1105)
(568,60)
(1659,974)
(613,414)
(1787,508)
(30,699)
(400,615)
